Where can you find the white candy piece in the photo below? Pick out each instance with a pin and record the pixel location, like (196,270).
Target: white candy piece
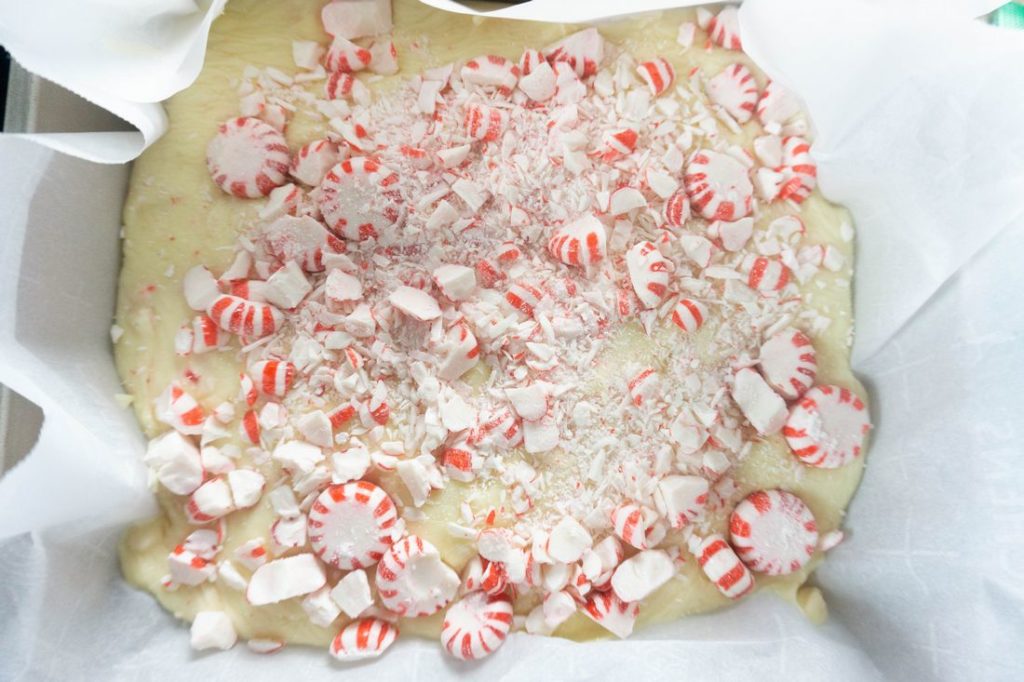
(264,645)
(285,578)
(642,574)
(288,533)
(212,630)
(735,90)
(626,199)
(539,83)
(246,487)
(352,593)
(297,456)
(581,242)
(320,608)
(415,303)
(611,613)
(762,406)
(412,581)
(648,273)
(252,554)
(568,541)
(457,282)
(681,499)
(342,287)
(356,18)
(529,402)
(176,462)
(200,288)
(557,607)
(210,501)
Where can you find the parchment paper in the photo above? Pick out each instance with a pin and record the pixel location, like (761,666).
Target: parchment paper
(918,118)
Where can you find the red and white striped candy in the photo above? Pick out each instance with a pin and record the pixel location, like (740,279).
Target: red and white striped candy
(500,428)
(248,158)
(827,427)
(658,74)
(344,55)
(363,639)
(350,525)
(484,123)
(583,51)
(358,198)
(643,386)
(492,73)
(247,391)
(476,625)
(301,239)
(274,377)
(486,576)
(724,29)
(721,565)
(799,169)
(635,525)
(180,411)
(735,90)
(529,61)
(311,163)
(250,427)
(245,318)
(210,501)
(677,209)
(460,462)
(383,57)
(186,567)
(611,613)
(773,532)
(523,296)
(619,143)
(778,105)
(789,363)
(341,85)
(689,314)
(718,185)
(206,335)
(412,581)
(766,274)
(581,242)
(648,273)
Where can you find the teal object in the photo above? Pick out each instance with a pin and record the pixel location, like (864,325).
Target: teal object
(1008,16)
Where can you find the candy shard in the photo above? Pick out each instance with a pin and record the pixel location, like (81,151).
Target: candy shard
(773,532)
(476,625)
(363,639)
(583,51)
(412,581)
(285,578)
(353,19)
(721,565)
(176,462)
(658,74)
(681,499)
(827,427)
(735,90)
(212,630)
(352,593)
(611,613)
(581,242)
(789,363)
(642,574)
(762,406)
(648,273)
(200,288)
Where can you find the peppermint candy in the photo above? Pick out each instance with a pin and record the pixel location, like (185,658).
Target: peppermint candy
(487,576)
(180,411)
(476,625)
(799,170)
(491,72)
(484,123)
(773,532)
(524,297)
(311,163)
(658,74)
(358,199)
(460,462)
(580,243)
(344,55)
(677,209)
(583,51)
(789,363)
(643,386)
(777,105)
(611,613)
(206,335)
(723,29)
(827,427)
(210,501)
(245,318)
(412,581)
(350,525)
(363,639)
(718,186)
(458,354)
(637,526)
(619,143)
(721,565)
(689,315)
(247,158)
(341,85)
(648,273)
(765,275)
(274,377)
(300,239)
(735,90)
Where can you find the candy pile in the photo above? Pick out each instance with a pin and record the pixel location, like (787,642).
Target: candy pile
(434,293)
